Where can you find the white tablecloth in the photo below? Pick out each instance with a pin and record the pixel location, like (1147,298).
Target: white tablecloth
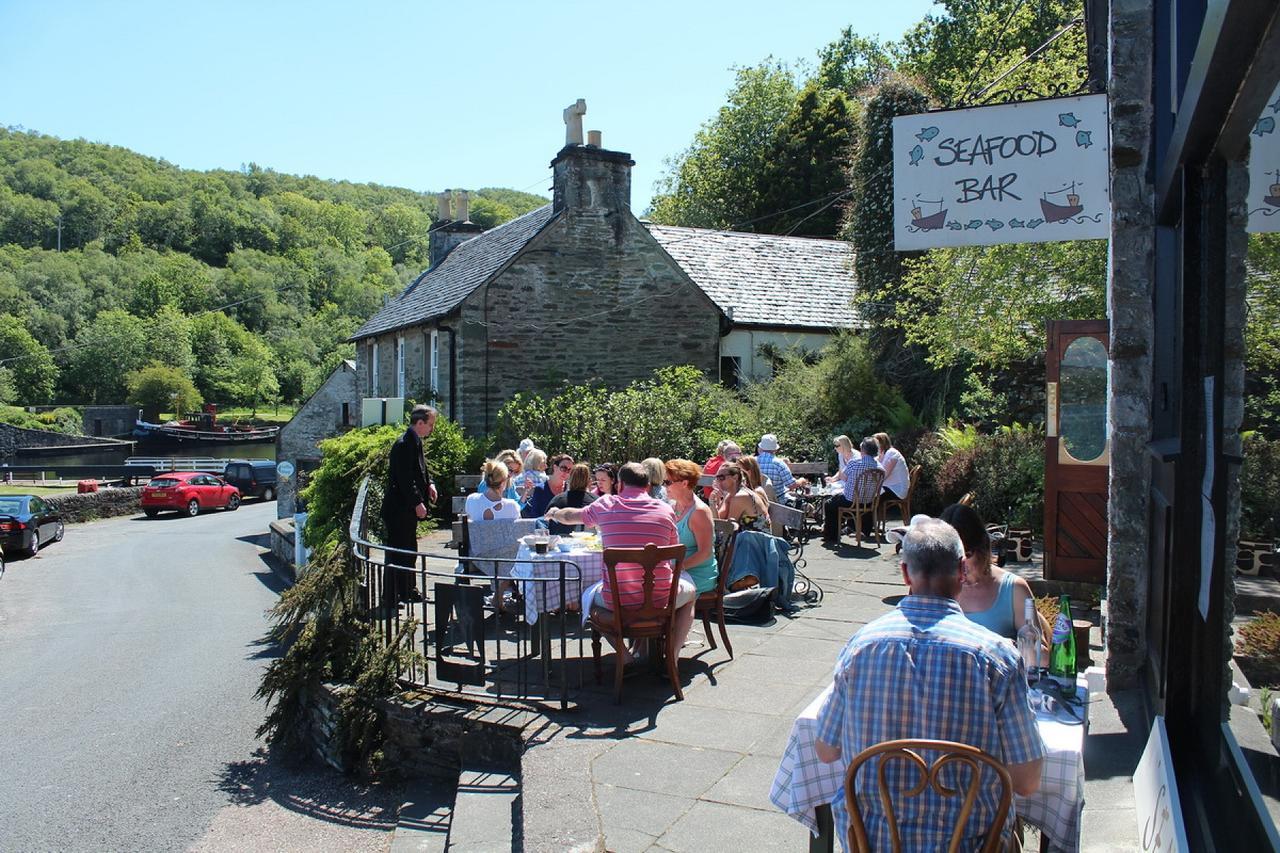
(543,597)
(803,782)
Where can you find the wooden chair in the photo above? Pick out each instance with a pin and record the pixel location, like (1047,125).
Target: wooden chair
(908,751)
(903,504)
(653,619)
(711,603)
(869,482)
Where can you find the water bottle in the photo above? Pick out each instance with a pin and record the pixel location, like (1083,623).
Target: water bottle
(1029,639)
(1062,656)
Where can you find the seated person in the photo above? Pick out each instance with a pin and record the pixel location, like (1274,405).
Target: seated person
(606,474)
(490,503)
(657,470)
(514,466)
(865,461)
(726,451)
(844,453)
(733,500)
(897,478)
(557,481)
(776,470)
(694,522)
(989,595)
(755,481)
(534,475)
(576,495)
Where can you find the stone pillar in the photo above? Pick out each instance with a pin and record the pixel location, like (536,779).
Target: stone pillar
(1131,266)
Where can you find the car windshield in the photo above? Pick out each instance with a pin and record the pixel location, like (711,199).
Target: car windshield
(12,505)
(162,482)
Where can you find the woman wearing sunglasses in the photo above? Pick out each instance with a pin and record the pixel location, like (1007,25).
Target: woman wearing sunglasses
(733,500)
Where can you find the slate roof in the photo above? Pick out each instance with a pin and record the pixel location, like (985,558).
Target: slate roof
(441,289)
(766,279)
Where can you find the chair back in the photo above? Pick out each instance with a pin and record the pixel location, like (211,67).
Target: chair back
(726,533)
(866,488)
(908,752)
(783,518)
(655,612)
(912,481)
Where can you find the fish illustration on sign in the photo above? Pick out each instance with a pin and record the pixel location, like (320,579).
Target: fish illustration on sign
(973,225)
(917,154)
(1067,120)
(995,224)
(1016,223)
(1035,223)
(955,226)
(1275,107)
(1084,138)
(927,134)
(1264,126)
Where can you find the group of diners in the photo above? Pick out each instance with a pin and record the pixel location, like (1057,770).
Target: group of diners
(874,453)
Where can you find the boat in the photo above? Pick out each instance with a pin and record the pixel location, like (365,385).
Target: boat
(1061,212)
(202,428)
(933,221)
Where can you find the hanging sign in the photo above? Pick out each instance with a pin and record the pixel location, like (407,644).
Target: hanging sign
(1264,169)
(1032,172)
(1155,793)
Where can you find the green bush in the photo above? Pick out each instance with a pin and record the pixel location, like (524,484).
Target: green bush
(1008,478)
(1259,488)
(449,452)
(65,420)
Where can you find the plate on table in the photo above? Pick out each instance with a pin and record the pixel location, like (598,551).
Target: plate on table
(552,542)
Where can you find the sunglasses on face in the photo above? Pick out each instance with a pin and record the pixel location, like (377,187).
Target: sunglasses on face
(564,467)
(722,476)
(666,482)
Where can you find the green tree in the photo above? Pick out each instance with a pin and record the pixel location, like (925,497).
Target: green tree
(8,388)
(105,351)
(1262,336)
(853,63)
(161,388)
(31,369)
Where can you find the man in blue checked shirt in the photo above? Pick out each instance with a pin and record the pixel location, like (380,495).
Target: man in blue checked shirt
(924,671)
(863,460)
(775,469)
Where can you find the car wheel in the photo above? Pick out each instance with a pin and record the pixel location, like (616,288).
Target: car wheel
(193,507)
(268,493)
(35,541)
(62,531)
(151,512)
(233,503)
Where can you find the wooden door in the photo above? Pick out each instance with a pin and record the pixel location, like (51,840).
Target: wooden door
(1077,452)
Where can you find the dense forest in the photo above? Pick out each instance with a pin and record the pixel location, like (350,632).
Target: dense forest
(243,284)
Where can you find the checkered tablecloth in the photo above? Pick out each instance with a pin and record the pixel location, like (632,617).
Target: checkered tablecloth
(542,597)
(803,782)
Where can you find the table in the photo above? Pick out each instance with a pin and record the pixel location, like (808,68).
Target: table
(543,597)
(803,783)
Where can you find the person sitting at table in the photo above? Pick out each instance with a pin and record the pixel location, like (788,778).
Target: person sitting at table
(633,519)
(606,475)
(557,481)
(925,672)
(514,466)
(491,503)
(897,479)
(752,477)
(657,471)
(864,461)
(726,451)
(990,596)
(734,501)
(534,474)
(844,453)
(776,469)
(576,495)
(694,522)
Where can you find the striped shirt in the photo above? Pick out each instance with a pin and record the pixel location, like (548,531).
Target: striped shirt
(924,671)
(632,519)
(776,470)
(852,469)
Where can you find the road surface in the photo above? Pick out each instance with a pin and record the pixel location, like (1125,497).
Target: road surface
(129,655)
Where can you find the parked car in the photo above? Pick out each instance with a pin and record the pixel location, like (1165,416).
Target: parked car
(28,523)
(188,492)
(256,477)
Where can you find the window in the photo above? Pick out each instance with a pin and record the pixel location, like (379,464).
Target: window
(373,368)
(400,366)
(434,351)
(730,371)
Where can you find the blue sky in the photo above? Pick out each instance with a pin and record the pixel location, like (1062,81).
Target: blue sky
(425,95)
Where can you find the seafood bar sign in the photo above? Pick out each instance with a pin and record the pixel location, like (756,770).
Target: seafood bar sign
(1264,169)
(1030,172)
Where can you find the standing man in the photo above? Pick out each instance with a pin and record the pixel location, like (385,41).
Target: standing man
(864,460)
(923,671)
(404,504)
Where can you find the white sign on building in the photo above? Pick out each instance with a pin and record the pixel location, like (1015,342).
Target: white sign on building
(1264,169)
(1155,794)
(1032,172)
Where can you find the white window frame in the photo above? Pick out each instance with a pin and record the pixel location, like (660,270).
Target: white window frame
(373,365)
(400,366)
(435,362)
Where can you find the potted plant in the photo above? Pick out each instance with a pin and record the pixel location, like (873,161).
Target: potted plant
(1259,509)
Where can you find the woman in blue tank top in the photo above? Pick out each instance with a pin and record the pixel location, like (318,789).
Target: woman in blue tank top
(989,596)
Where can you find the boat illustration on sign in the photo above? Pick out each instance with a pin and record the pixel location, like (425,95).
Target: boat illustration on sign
(1061,212)
(933,221)
(1273,192)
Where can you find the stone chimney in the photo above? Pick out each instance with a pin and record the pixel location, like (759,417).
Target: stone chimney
(449,232)
(588,179)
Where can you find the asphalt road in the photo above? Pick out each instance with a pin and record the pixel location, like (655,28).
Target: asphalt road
(129,655)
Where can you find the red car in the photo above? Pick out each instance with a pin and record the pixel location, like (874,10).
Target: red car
(188,492)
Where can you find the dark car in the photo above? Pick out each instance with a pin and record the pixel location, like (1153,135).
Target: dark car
(253,477)
(27,523)
(188,492)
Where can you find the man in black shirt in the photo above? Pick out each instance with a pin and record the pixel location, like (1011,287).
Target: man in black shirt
(404,503)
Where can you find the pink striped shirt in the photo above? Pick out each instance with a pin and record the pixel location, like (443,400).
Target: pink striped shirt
(632,519)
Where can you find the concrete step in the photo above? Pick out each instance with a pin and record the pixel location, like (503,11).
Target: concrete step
(485,812)
(423,824)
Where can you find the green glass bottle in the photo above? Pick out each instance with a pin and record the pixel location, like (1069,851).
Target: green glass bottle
(1062,655)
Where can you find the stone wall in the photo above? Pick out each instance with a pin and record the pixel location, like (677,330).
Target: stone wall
(13,439)
(319,418)
(104,503)
(109,420)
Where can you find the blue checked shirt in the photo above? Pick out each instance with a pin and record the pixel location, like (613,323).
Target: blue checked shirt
(852,469)
(775,470)
(924,671)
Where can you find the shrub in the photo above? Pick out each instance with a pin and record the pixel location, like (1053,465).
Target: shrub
(1008,477)
(1259,487)
(450,452)
(1260,636)
(65,420)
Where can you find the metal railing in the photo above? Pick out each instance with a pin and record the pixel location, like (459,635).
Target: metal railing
(204,464)
(471,637)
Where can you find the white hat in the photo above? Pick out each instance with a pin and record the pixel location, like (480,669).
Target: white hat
(525,446)
(768,442)
(894,535)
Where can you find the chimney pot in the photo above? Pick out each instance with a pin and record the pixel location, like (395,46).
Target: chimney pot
(464,206)
(594,138)
(442,206)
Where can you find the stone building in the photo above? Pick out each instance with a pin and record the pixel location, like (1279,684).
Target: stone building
(333,408)
(582,290)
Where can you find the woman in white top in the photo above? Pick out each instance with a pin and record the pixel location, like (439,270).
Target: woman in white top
(490,504)
(897,479)
(844,452)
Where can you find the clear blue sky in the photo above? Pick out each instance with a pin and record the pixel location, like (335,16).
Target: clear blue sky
(425,95)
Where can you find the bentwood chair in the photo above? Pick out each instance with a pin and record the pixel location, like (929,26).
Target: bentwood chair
(928,778)
(903,504)
(711,603)
(866,503)
(651,620)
